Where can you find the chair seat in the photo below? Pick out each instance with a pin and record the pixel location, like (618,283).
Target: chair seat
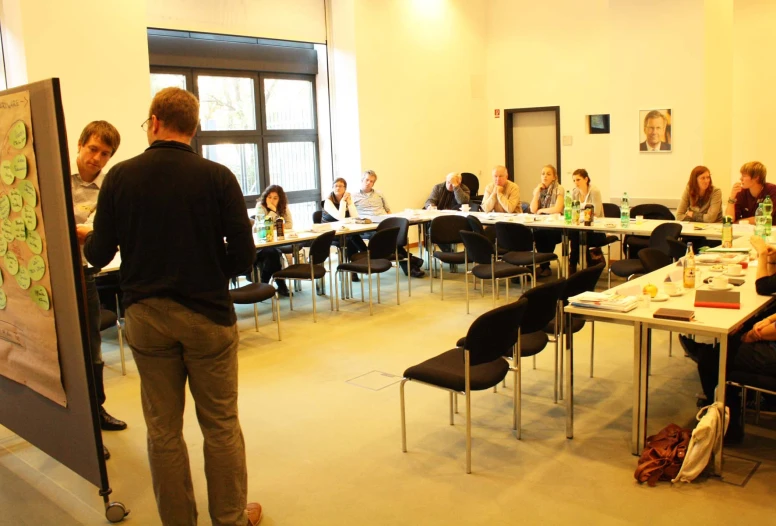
(500,270)
(527,258)
(447,371)
(253,293)
(753,380)
(108,319)
(532,343)
(636,243)
(455,258)
(300,271)
(576,325)
(626,267)
(360,266)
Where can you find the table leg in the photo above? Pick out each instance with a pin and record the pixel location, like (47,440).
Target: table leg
(564,254)
(569,373)
(638,433)
(582,249)
(720,397)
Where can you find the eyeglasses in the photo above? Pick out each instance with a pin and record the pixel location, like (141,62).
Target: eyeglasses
(146,124)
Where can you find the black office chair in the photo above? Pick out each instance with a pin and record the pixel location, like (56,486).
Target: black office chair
(320,249)
(381,248)
(446,230)
(477,366)
(653,259)
(252,294)
(518,240)
(611,210)
(676,249)
(479,250)
(627,268)
(472,183)
(759,383)
(649,211)
(402,240)
(490,232)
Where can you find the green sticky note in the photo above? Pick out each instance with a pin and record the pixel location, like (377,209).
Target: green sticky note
(28,193)
(7,230)
(29,217)
(23,278)
(3,246)
(33,241)
(11,263)
(6,173)
(19,166)
(19,230)
(3,299)
(16,200)
(37,268)
(40,297)
(5,207)
(18,135)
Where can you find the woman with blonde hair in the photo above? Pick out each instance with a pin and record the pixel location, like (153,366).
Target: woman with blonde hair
(547,199)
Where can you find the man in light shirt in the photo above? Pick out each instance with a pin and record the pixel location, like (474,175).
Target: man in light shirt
(502,195)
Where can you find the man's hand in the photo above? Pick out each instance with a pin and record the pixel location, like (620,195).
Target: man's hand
(750,337)
(81,232)
(735,191)
(499,189)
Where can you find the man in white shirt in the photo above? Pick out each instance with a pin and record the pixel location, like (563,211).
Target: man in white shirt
(654,128)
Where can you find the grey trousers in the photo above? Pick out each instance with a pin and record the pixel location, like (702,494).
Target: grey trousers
(172,344)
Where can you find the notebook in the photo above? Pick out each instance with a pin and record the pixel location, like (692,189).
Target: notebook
(720,299)
(674,314)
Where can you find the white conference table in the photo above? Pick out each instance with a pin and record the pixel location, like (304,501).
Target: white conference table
(714,322)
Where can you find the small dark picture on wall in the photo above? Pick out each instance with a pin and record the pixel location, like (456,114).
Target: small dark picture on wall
(655,131)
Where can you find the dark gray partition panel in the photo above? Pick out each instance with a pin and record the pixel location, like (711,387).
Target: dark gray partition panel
(69,434)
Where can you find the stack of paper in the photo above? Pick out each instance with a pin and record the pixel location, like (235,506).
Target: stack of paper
(604,301)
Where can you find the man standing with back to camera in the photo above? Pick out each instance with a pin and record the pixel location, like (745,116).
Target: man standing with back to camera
(170,210)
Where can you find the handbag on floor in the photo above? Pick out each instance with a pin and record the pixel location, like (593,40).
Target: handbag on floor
(663,455)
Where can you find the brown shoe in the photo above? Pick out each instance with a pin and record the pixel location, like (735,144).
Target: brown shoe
(255,513)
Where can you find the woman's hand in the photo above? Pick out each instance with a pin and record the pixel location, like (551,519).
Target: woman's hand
(271,207)
(538,189)
(346,197)
(689,214)
(750,337)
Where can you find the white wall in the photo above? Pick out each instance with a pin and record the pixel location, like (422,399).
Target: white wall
(98,48)
(421,93)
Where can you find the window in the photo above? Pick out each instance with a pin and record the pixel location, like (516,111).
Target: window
(260,124)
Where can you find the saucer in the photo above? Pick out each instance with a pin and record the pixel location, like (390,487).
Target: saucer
(680,293)
(660,296)
(727,287)
(741,275)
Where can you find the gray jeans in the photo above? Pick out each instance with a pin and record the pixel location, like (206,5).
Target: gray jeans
(171,344)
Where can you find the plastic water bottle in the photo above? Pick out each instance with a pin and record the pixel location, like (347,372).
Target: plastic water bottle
(624,211)
(727,232)
(269,229)
(567,204)
(259,233)
(689,268)
(575,212)
(759,221)
(768,210)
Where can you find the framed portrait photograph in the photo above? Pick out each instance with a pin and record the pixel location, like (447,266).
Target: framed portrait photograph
(655,131)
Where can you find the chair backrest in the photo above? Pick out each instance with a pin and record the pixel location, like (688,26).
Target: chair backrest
(542,304)
(321,247)
(474,206)
(653,259)
(514,237)
(658,238)
(402,223)
(494,331)
(446,229)
(676,249)
(582,281)
(471,182)
(479,249)
(652,211)
(475,224)
(611,210)
(317,217)
(383,244)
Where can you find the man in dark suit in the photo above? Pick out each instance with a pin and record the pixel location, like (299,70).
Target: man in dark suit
(654,127)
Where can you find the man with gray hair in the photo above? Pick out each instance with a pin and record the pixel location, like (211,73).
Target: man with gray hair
(449,195)
(654,128)
(502,195)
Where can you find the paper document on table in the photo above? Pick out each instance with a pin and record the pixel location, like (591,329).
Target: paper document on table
(743,250)
(604,301)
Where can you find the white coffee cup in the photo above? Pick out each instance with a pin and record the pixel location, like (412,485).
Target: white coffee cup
(671,288)
(734,269)
(639,220)
(465,208)
(719,282)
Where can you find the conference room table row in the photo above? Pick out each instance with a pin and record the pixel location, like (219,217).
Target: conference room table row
(718,323)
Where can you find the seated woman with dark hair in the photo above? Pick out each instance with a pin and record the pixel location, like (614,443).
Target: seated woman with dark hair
(273,203)
(586,194)
(338,206)
(701,200)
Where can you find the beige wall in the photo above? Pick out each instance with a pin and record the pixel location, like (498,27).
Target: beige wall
(421,93)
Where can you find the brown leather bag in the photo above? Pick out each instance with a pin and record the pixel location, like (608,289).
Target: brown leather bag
(663,455)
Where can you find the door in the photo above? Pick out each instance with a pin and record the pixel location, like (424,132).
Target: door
(532,139)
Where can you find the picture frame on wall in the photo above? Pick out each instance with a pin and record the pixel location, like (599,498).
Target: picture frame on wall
(655,131)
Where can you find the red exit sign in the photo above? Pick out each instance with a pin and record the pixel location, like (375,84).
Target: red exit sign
(496,113)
